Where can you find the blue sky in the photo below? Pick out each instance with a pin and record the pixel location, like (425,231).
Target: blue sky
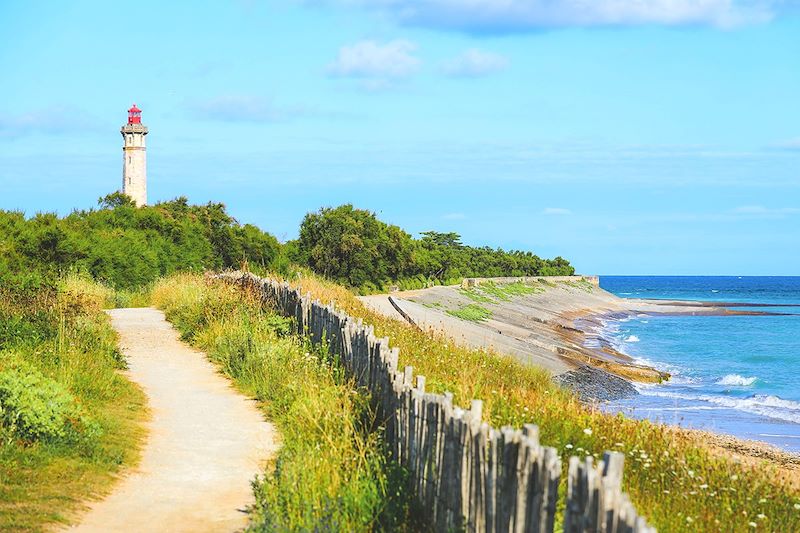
(649,137)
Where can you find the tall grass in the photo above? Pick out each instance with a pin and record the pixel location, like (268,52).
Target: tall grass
(59,357)
(674,478)
(330,473)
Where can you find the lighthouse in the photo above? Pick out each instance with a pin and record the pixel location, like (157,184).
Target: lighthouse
(134,157)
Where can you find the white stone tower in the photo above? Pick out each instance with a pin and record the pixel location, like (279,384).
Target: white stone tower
(134,157)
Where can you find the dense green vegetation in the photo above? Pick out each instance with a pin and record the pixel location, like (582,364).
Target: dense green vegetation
(126,246)
(68,419)
(353,247)
(129,247)
(330,473)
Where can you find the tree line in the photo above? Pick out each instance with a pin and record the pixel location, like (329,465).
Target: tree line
(353,247)
(128,247)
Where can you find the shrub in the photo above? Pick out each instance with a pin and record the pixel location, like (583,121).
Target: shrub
(34,408)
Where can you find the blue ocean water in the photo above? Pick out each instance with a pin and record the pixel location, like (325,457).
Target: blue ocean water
(731,374)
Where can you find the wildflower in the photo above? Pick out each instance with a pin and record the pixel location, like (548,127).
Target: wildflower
(762,500)
(691,473)
(588,431)
(753,524)
(665,491)
(568,446)
(704,486)
(797,506)
(734,477)
(689,519)
(761,516)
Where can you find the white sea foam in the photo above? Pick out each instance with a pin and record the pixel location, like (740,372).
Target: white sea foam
(760,404)
(736,380)
(631,338)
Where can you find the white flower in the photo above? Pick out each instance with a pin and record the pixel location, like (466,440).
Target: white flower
(753,524)
(703,486)
(691,473)
(797,506)
(588,431)
(761,516)
(734,477)
(689,519)
(568,446)
(762,500)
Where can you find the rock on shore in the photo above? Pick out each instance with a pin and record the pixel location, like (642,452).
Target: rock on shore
(596,385)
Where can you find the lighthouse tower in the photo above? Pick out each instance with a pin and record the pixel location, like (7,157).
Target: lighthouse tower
(134,157)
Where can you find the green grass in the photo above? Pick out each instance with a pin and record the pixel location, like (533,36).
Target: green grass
(471,312)
(82,418)
(674,478)
(330,473)
(581,284)
(476,296)
(490,292)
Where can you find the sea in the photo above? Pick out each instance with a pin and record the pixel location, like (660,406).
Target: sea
(738,375)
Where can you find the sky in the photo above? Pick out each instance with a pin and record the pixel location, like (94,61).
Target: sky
(649,137)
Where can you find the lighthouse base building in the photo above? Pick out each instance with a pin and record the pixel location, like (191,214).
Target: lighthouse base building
(134,157)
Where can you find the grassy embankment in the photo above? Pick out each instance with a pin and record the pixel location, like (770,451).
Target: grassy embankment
(329,473)
(69,421)
(673,478)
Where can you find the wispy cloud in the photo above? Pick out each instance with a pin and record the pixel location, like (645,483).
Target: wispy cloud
(760,210)
(504,16)
(556,211)
(54,120)
(244,108)
(376,64)
(474,63)
(791,144)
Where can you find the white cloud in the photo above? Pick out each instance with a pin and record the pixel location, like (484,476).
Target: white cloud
(760,210)
(54,120)
(503,16)
(556,211)
(376,63)
(243,108)
(791,144)
(474,63)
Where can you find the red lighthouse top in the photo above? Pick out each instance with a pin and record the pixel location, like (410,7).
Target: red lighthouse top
(134,115)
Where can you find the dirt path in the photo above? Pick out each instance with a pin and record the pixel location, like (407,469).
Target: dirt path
(206,441)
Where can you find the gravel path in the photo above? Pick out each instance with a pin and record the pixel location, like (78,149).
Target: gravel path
(206,441)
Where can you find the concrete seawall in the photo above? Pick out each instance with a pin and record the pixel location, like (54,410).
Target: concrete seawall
(474,282)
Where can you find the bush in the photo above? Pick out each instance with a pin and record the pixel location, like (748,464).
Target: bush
(34,408)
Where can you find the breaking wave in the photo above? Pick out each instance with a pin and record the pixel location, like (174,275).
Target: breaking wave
(736,380)
(760,404)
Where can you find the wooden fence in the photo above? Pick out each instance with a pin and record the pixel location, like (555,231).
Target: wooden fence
(465,474)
